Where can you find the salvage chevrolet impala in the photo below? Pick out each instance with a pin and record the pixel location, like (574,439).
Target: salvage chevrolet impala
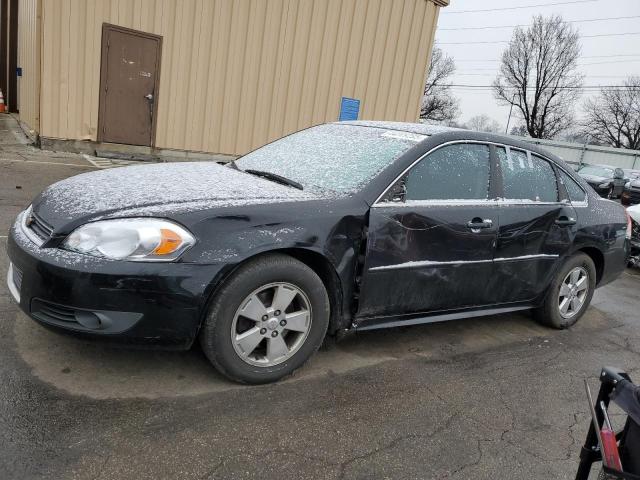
(341,227)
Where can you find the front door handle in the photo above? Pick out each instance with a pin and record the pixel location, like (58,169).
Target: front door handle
(478,224)
(565,221)
(149,96)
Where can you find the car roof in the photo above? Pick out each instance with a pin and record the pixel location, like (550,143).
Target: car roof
(420,128)
(444,133)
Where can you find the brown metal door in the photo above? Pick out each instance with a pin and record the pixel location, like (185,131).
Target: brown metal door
(128,86)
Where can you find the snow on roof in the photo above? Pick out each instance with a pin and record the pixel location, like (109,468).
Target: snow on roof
(419,128)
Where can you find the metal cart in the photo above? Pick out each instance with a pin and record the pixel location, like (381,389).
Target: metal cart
(616,386)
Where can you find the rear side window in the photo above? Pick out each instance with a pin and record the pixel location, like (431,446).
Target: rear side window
(454,172)
(575,191)
(527,177)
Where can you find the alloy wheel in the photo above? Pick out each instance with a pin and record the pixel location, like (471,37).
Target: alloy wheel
(573,292)
(271,324)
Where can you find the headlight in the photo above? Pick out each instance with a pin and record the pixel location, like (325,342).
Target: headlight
(137,239)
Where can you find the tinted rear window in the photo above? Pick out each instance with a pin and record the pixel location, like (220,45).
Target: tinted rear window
(575,191)
(527,177)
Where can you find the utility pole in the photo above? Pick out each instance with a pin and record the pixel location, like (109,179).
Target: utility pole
(506,130)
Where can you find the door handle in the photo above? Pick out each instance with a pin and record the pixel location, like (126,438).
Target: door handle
(565,221)
(478,224)
(149,96)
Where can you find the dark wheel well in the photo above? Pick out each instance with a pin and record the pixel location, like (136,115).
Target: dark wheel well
(320,265)
(598,260)
(329,277)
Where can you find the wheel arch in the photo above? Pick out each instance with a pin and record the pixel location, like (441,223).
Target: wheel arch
(318,262)
(597,257)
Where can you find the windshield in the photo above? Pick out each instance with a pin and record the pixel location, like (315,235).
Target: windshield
(597,171)
(336,157)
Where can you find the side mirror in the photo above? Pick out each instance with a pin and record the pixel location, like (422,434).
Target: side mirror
(398,193)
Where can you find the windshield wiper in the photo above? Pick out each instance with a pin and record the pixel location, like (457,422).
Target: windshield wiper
(275,178)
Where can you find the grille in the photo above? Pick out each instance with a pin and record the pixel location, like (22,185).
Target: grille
(17,277)
(51,312)
(39,227)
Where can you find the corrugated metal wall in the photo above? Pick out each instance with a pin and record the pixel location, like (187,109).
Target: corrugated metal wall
(238,73)
(576,153)
(29,61)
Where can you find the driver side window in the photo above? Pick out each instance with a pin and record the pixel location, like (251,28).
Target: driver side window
(454,172)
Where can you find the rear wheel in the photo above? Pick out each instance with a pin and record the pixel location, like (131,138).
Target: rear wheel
(266,321)
(569,294)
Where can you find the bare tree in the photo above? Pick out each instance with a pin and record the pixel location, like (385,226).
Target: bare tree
(438,103)
(613,118)
(538,75)
(520,131)
(483,123)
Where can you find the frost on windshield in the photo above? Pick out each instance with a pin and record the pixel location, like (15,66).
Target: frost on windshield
(339,157)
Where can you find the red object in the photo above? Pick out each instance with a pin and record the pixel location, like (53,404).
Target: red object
(610,454)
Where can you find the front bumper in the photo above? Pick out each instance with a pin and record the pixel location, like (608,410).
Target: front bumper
(127,302)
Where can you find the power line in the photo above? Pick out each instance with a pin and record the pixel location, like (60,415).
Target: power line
(612,61)
(507,41)
(520,7)
(493,60)
(529,24)
(584,87)
(496,72)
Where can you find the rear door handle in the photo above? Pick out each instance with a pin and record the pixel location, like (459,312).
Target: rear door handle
(565,221)
(477,224)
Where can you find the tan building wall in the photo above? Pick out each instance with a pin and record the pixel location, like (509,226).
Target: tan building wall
(29,61)
(236,74)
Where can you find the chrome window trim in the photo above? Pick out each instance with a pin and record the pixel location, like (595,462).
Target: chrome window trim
(455,203)
(431,203)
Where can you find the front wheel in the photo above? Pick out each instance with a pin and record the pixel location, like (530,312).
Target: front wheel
(569,294)
(266,321)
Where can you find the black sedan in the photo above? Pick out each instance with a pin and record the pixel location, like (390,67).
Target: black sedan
(341,227)
(607,181)
(631,194)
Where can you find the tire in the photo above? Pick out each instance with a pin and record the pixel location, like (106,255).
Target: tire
(550,313)
(244,312)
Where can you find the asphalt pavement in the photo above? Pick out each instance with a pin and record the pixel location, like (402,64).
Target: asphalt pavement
(486,398)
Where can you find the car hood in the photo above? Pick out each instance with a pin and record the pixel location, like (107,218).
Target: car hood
(156,190)
(595,178)
(634,213)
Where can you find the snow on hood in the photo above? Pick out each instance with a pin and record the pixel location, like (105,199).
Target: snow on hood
(594,178)
(634,212)
(156,189)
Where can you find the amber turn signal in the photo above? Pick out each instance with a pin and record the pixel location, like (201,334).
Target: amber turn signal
(170,241)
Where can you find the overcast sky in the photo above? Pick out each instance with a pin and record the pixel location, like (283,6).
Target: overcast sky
(477,62)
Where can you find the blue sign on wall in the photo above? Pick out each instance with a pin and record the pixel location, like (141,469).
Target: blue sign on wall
(349,109)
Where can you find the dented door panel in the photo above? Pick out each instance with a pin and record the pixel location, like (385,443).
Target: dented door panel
(426,258)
